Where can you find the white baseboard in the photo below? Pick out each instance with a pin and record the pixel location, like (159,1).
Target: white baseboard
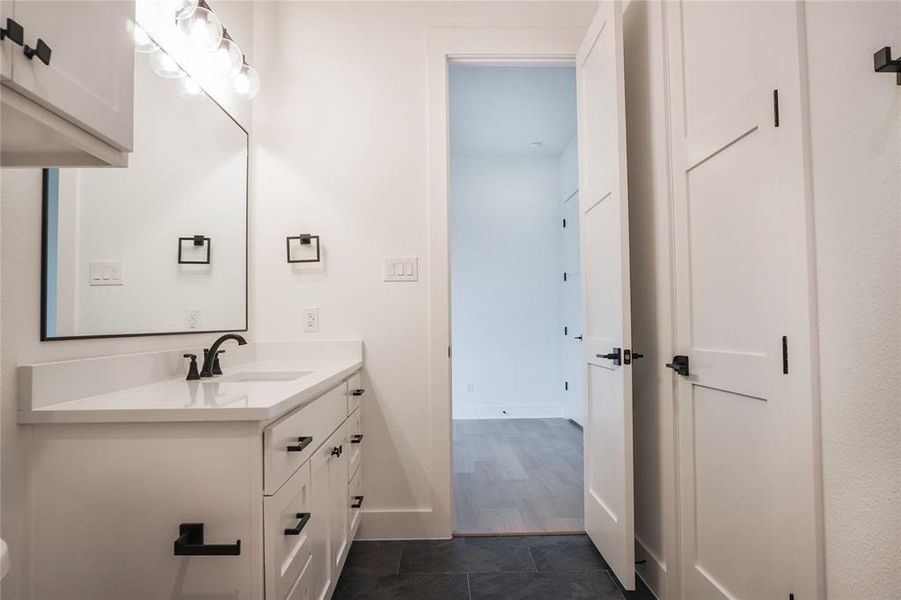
(652,571)
(401,525)
(508,411)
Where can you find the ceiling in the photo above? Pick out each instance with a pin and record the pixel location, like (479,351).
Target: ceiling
(499,110)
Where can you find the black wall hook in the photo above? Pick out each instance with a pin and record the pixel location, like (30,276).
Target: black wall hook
(883,63)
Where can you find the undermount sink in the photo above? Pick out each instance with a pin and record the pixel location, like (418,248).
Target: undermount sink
(264,376)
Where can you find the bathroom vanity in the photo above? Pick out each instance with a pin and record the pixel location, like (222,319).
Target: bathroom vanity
(144,485)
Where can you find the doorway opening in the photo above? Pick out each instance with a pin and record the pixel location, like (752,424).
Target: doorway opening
(515,286)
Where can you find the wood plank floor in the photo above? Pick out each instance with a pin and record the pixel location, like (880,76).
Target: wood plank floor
(517,476)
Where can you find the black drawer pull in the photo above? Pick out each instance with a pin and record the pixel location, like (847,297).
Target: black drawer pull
(304,441)
(304,517)
(358,502)
(41,50)
(14,31)
(357,392)
(190,543)
(356,439)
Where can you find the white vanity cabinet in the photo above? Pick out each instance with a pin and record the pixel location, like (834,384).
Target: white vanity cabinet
(109,500)
(77,108)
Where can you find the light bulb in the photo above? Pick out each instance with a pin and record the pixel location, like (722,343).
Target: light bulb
(203,28)
(190,90)
(143,42)
(165,66)
(224,61)
(246,83)
(175,9)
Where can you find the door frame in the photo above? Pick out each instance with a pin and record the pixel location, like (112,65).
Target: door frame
(488,46)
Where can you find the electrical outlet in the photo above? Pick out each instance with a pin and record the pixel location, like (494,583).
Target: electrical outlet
(469,387)
(310,319)
(192,318)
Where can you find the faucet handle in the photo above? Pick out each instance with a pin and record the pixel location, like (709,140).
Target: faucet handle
(217,370)
(192,369)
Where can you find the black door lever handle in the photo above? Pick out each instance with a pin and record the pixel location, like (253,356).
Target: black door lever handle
(616,356)
(679,365)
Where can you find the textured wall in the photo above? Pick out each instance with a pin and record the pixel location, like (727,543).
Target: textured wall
(856,146)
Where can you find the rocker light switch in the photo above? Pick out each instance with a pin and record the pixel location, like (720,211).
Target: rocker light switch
(106,272)
(402,269)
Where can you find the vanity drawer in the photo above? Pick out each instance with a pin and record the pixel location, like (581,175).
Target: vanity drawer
(355,434)
(355,392)
(288,540)
(287,443)
(355,495)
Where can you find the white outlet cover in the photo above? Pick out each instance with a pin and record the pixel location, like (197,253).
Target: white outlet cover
(106,272)
(192,318)
(309,316)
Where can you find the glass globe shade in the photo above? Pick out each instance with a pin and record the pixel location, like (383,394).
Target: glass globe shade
(190,90)
(165,66)
(175,9)
(224,61)
(246,83)
(143,42)
(203,30)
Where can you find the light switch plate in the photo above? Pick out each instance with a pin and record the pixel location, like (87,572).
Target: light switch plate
(402,268)
(106,272)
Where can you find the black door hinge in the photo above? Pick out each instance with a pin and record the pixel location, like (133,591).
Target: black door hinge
(448,352)
(791,597)
(564,223)
(564,277)
(566,385)
(785,355)
(565,330)
(776,108)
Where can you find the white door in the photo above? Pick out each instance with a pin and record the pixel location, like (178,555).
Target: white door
(605,292)
(740,275)
(90,75)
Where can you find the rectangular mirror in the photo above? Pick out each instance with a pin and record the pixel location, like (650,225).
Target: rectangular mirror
(159,247)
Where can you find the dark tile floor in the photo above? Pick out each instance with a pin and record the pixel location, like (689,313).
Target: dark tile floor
(481,568)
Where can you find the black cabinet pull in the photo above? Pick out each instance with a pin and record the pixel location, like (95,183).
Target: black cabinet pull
(41,50)
(679,365)
(616,356)
(357,392)
(303,442)
(13,31)
(337,450)
(358,502)
(304,518)
(356,439)
(190,543)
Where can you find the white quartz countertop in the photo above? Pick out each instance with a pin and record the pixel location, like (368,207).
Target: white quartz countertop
(224,398)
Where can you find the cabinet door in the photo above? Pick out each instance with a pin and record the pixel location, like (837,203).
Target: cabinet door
(6,46)
(339,511)
(90,78)
(321,564)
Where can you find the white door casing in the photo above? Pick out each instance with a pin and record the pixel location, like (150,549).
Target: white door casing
(747,484)
(571,309)
(609,499)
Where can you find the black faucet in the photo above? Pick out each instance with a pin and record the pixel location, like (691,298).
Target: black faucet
(210,354)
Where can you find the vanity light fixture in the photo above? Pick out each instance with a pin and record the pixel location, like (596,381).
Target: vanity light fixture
(224,61)
(203,28)
(190,89)
(175,9)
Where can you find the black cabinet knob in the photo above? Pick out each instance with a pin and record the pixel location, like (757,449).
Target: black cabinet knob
(337,450)
(13,31)
(41,50)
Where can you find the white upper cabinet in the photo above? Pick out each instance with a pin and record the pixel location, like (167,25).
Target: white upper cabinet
(68,93)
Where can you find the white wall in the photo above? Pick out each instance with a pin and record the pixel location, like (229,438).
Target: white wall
(505,267)
(856,156)
(340,132)
(649,233)
(20,272)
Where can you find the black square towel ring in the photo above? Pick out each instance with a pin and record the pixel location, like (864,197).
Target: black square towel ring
(197,241)
(883,63)
(304,239)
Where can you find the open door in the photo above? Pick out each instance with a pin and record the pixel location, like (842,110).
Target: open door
(604,208)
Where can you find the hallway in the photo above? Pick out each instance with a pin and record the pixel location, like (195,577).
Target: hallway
(517,476)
